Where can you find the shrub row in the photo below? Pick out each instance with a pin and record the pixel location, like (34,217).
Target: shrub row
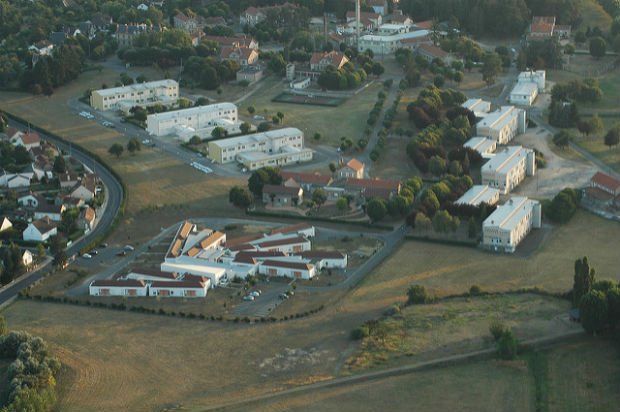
(318,219)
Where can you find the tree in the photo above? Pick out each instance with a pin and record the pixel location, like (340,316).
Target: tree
(376,209)
(319,196)
(593,311)
(417,294)
(317,136)
(116,149)
(612,138)
(491,68)
(507,346)
(583,279)
(263,127)
(280,117)
(439,81)
(472,228)
(342,204)
(458,76)
(561,139)
(251,110)
(596,125)
(422,221)
(59,164)
(195,140)
(219,133)
(134,145)
(275,120)
(245,127)
(60,259)
(4,327)
(261,177)
(240,197)
(41,250)
(443,222)
(598,47)
(332,167)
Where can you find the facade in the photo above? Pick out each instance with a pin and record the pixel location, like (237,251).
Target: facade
(27,140)
(127,33)
(285,244)
(245,56)
(118,288)
(236,41)
(369,188)
(508,168)
(382,45)
(431,52)
(273,148)
(353,168)
(5,224)
(197,118)
(478,106)
(51,212)
(319,61)
(510,223)
(529,84)
(252,16)
(250,74)
(502,125)
(544,27)
(141,94)
(369,21)
(190,24)
(479,194)
(302,229)
(293,270)
(40,230)
(280,196)
(308,181)
(326,259)
(179,289)
(389,29)
(605,183)
(483,145)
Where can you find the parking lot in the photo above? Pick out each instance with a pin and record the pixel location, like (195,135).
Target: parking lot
(263,305)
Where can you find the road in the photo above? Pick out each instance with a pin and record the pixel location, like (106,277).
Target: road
(114,198)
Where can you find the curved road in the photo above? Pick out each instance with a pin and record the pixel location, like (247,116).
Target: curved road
(114,198)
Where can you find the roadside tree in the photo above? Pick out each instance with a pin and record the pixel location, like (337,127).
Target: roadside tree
(240,197)
(612,138)
(319,197)
(116,149)
(376,209)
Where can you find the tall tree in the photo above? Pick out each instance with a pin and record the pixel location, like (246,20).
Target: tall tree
(593,310)
(116,149)
(491,68)
(598,47)
(612,138)
(583,279)
(319,197)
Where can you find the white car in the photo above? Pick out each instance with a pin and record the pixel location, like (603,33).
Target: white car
(249,298)
(87,256)
(254,293)
(129,248)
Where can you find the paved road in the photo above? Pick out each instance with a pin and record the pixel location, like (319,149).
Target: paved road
(114,196)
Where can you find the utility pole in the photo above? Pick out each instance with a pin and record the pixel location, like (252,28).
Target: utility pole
(358,22)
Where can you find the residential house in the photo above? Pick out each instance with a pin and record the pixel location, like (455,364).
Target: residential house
(57,38)
(245,56)
(128,288)
(399,18)
(250,74)
(5,224)
(508,168)
(369,188)
(326,259)
(50,211)
(603,188)
(188,23)
(150,275)
(86,219)
(352,169)
(510,223)
(15,180)
(141,94)
(252,16)
(40,230)
(142,7)
(279,196)
(101,21)
(235,41)
(302,229)
(30,200)
(308,181)
(545,27)
(378,6)
(27,140)
(320,60)
(68,180)
(86,189)
(369,21)
(180,289)
(430,52)
(126,33)
(86,29)
(293,270)
(42,168)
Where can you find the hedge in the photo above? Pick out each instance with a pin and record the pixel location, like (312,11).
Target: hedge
(318,219)
(442,241)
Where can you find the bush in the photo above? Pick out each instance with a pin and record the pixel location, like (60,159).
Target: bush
(475,290)
(498,330)
(507,346)
(360,332)
(417,294)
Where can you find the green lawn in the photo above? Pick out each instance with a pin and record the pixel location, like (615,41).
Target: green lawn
(596,144)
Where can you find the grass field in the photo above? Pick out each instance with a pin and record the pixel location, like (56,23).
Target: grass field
(348,119)
(596,144)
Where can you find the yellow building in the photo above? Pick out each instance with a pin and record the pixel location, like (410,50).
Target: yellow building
(140,94)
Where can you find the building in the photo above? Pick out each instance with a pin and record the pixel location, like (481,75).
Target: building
(368,21)
(68,180)
(320,60)
(544,27)
(285,243)
(197,118)
(30,200)
(308,181)
(502,125)
(250,74)
(235,41)
(15,180)
(378,6)
(603,188)
(280,196)
(126,33)
(479,194)
(40,230)
(252,16)
(141,94)
(478,106)
(382,45)
(28,140)
(273,148)
(190,24)
(302,229)
(49,211)
(529,84)
(326,259)
(86,219)
(353,168)
(5,224)
(245,56)
(150,275)
(293,270)
(389,29)
(369,188)
(118,288)
(483,145)
(86,188)
(508,168)
(180,289)
(508,225)
(430,52)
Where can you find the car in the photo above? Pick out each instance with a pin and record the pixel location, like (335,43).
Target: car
(146,141)
(259,117)
(283,296)
(248,298)
(87,256)
(93,252)
(103,245)
(129,248)
(121,253)
(254,293)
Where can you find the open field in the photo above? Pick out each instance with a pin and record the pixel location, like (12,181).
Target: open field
(459,325)
(482,386)
(596,145)
(446,270)
(348,119)
(584,377)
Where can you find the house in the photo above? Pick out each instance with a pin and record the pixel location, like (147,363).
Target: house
(508,168)
(308,181)
(42,168)
(510,223)
(15,181)
(150,275)
(276,195)
(140,94)
(399,18)
(50,211)
(30,200)
(68,180)
(378,6)
(478,106)
(326,259)
(234,41)
(292,243)
(545,27)
(293,270)
(250,74)
(189,24)
(101,21)
(603,188)
(86,189)
(382,45)
(369,21)
(483,145)
(42,48)
(86,219)
(5,224)
(320,60)
(57,38)
(302,229)
(528,86)
(117,288)
(479,194)
(27,140)
(180,289)
(252,16)
(27,258)
(40,230)
(125,34)
(392,28)
(87,29)
(502,125)
(369,188)
(245,56)
(142,7)
(353,168)
(430,52)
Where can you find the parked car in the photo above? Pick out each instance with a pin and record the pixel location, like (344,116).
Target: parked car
(129,248)
(87,256)
(283,296)
(121,253)
(103,245)
(248,298)
(93,252)
(254,293)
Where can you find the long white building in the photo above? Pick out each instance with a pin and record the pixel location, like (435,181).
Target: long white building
(529,84)
(478,106)
(510,223)
(388,44)
(508,168)
(502,125)
(140,94)
(483,145)
(479,194)
(195,118)
(273,148)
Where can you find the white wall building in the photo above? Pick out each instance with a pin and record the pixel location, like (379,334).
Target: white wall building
(538,77)
(529,84)
(273,148)
(326,259)
(508,225)
(478,106)
(388,44)
(293,270)
(180,289)
(40,230)
(502,125)
(479,194)
(118,288)
(197,118)
(508,168)
(483,145)
(139,94)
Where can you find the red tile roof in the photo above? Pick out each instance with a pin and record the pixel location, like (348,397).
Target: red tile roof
(181,284)
(250,257)
(372,183)
(281,190)
(119,283)
(355,164)
(288,241)
(606,181)
(154,273)
(242,239)
(335,58)
(433,50)
(288,265)
(31,138)
(307,178)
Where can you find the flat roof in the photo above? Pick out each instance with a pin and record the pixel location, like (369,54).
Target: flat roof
(524,88)
(396,37)
(473,104)
(137,87)
(510,214)
(499,118)
(258,137)
(193,111)
(506,159)
(480,144)
(478,194)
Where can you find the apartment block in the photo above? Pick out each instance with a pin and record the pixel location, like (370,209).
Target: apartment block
(510,223)
(508,168)
(141,94)
(502,125)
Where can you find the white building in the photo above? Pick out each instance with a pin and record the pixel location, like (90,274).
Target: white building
(529,84)
(326,259)
(502,125)
(478,106)
(197,118)
(273,148)
(538,77)
(388,44)
(389,29)
(294,270)
(139,94)
(180,289)
(302,229)
(40,230)
(150,275)
(118,288)
(286,244)
(508,225)
(483,145)
(479,194)
(508,168)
